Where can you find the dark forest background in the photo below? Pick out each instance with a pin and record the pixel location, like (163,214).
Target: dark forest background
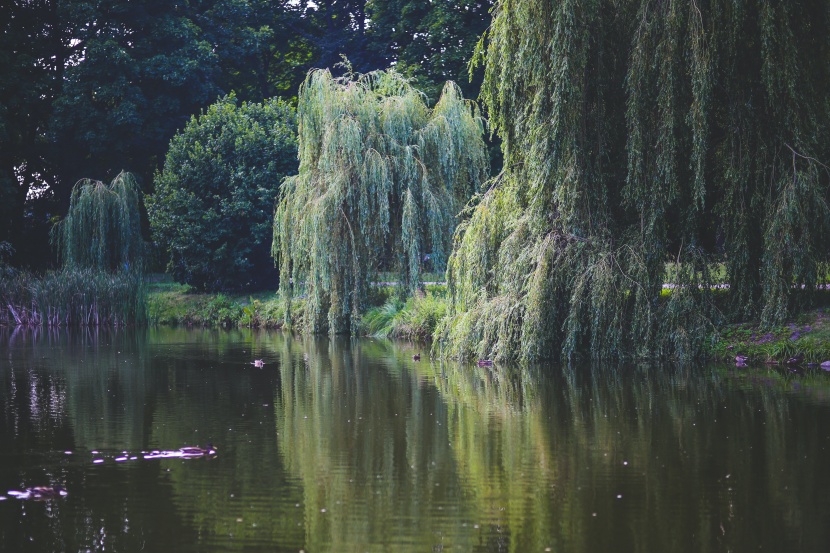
(90,88)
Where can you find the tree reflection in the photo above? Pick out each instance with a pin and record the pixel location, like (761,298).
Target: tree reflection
(584,459)
(374,451)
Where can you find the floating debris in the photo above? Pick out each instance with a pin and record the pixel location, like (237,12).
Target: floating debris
(38,493)
(187,452)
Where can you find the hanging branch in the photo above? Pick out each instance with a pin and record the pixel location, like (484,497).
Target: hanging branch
(381,177)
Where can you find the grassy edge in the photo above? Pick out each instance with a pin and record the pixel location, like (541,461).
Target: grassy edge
(415,318)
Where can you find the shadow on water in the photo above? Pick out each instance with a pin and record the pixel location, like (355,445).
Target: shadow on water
(351,445)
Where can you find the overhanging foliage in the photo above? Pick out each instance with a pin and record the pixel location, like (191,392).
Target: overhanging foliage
(381,179)
(644,142)
(102,229)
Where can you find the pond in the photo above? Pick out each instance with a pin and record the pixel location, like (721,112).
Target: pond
(351,446)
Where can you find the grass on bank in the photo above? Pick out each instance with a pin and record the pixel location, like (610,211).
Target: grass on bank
(807,334)
(413,319)
(171,303)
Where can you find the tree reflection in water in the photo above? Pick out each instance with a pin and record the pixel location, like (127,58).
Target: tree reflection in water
(340,445)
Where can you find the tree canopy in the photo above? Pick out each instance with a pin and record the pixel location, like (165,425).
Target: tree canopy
(645,143)
(214,200)
(93,88)
(381,179)
(432,41)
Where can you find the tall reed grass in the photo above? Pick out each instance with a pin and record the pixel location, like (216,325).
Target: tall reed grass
(72,297)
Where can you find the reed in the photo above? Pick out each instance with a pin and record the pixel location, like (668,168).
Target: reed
(73,297)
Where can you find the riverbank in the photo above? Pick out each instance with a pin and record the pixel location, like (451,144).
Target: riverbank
(388,316)
(808,334)
(174,304)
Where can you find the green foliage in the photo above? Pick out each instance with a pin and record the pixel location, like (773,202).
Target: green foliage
(432,41)
(91,86)
(212,207)
(381,178)
(73,297)
(177,304)
(259,52)
(129,75)
(102,230)
(712,157)
(414,319)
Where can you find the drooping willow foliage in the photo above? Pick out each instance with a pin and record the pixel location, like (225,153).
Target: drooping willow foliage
(645,142)
(102,229)
(101,280)
(381,179)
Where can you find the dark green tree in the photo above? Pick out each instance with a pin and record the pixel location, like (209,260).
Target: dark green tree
(31,63)
(381,179)
(337,28)
(644,142)
(262,47)
(433,41)
(135,74)
(214,200)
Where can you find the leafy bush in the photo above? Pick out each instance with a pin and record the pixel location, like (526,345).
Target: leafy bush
(414,319)
(213,204)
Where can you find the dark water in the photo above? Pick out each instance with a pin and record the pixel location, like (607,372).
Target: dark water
(352,446)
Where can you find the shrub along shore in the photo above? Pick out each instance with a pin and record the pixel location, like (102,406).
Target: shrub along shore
(389,316)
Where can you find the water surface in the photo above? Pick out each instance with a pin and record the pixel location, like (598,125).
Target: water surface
(339,445)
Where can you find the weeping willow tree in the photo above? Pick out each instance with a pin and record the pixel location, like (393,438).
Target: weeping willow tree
(645,142)
(102,230)
(101,250)
(381,179)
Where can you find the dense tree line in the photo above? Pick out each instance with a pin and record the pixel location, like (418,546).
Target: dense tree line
(89,88)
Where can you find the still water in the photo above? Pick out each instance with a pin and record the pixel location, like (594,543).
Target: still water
(351,446)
